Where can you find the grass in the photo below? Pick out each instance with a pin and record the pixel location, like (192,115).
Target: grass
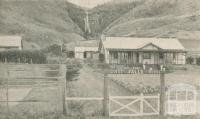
(190,76)
(38,101)
(90,84)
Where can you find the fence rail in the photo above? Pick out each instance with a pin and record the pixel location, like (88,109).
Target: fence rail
(82,99)
(135,107)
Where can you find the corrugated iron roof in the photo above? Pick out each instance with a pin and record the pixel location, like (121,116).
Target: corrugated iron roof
(10,41)
(137,43)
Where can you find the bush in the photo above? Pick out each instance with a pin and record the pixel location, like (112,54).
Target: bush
(190,60)
(25,56)
(55,49)
(198,61)
(101,57)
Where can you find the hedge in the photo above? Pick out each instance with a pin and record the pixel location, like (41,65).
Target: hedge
(198,61)
(23,56)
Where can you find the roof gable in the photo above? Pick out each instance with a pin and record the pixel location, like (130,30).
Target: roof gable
(149,46)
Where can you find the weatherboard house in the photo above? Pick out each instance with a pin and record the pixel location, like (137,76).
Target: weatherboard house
(130,50)
(10,43)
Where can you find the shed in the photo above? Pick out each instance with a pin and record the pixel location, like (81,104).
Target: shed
(86,49)
(10,43)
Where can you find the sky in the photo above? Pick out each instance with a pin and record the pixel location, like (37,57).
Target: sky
(88,3)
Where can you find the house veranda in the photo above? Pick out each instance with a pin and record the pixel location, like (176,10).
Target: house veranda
(129,51)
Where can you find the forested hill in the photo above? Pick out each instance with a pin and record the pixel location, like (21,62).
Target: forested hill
(103,15)
(41,23)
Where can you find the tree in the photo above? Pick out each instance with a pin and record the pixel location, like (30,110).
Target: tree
(55,49)
(190,60)
(198,61)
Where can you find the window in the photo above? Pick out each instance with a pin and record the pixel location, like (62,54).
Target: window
(161,55)
(147,56)
(115,54)
(181,95)
(173,95)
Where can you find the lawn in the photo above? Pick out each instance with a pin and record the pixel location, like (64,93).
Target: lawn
(46,99)
(138,81)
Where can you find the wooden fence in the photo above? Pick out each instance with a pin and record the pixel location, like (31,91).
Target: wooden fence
(134,105)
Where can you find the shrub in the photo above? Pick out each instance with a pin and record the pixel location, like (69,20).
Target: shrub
(198,61)
(70,54)
(101,57)
(190,60)
(169,68)
(55,49)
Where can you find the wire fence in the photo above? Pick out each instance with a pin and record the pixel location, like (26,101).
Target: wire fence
(30,91)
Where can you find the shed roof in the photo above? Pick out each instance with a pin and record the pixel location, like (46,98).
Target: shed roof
(83,49)
(10,41)
(138,43)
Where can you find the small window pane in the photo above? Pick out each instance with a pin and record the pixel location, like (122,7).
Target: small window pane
(181,95)
(190,95)
(115,55)
(173,95)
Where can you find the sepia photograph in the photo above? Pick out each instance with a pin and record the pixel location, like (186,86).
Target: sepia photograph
(99,59)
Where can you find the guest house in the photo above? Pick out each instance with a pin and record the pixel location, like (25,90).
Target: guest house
(130,50)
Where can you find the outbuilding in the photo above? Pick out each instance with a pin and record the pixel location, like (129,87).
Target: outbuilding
(87,50)
(10,43)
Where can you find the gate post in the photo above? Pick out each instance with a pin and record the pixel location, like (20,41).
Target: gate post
(63,87)
(106,96)
(162,95)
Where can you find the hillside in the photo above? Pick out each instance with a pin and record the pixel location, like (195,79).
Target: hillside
(103,15)
(160,18)
(41,23)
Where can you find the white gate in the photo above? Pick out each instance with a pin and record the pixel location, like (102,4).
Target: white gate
(133,105)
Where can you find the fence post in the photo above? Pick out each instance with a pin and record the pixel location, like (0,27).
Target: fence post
(162,95)
(141,104)
(63,86)
(7,93)
(106,96)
